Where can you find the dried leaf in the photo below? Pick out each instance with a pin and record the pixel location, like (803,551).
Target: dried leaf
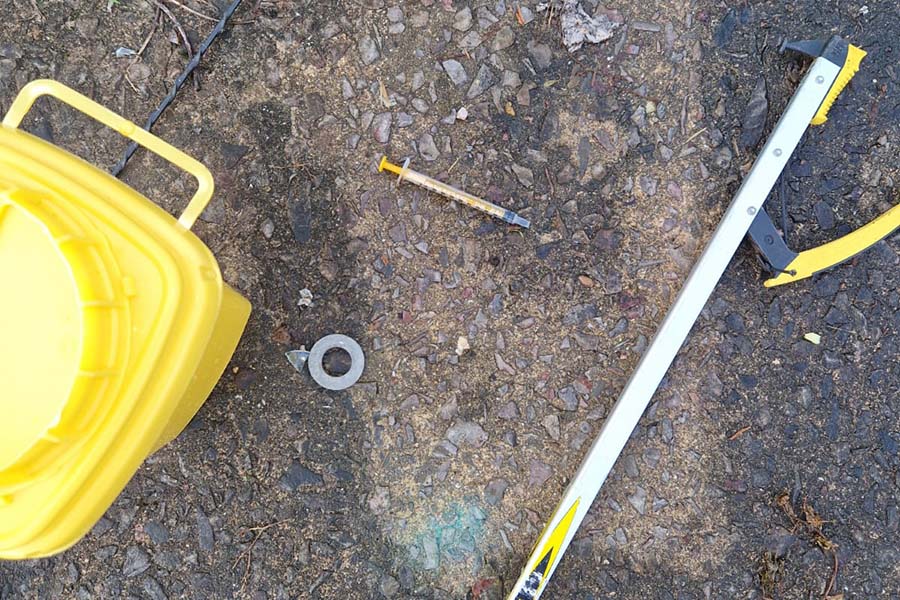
(509,109)
(281,335)
(783,500)
(770,573)
(811,517)
(811,526)
(824,543)
(385,97)
(579,27)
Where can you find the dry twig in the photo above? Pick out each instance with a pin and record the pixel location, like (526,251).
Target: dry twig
(738,433)
(196,13)
(247,554)
(156,18)
(181,34)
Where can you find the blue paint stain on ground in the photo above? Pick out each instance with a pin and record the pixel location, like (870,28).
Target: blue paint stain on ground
(451,537)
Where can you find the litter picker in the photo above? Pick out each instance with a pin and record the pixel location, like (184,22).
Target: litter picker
(835,62)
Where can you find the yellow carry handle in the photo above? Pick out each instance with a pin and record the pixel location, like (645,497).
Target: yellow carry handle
(848,70)
(46,87)
(839,52)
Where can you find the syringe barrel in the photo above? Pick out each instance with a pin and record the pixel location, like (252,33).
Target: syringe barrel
(453,193)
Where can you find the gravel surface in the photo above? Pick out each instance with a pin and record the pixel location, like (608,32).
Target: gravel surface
(493,354)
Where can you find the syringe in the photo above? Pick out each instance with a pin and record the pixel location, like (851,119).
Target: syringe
(438,187)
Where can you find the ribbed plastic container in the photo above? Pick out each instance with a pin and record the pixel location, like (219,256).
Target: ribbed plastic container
(115,327)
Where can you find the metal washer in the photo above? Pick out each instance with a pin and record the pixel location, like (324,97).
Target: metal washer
(330,342)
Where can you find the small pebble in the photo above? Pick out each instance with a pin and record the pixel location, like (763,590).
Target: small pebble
(524,175)
(638,500)
(824,214)
(483,80)
(395,14)
(455,71)
(568,398)
(298,475)
(503,39)
(381,127)
(153,589)
(368,50)
(538,473)
(427,148)
(470,41)
(467,433)
(389,586)
(268,229)
(540,54)
(494,491)
(462,21)
(136,562)
(204,531)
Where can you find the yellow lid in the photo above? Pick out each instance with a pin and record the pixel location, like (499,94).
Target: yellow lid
(64,332)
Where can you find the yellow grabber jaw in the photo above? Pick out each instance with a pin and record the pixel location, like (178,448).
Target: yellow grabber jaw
(809,262)
(839,52)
